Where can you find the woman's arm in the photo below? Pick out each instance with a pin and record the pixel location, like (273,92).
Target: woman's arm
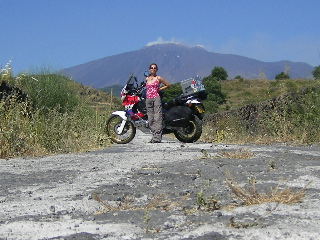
(164,82)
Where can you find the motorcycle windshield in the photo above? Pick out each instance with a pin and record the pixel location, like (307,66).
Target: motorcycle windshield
(132,83)
(130,87)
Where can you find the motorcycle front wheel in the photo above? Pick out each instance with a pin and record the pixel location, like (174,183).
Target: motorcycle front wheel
(191,132)
(112,126)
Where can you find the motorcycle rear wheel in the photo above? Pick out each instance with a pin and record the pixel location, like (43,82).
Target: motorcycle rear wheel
(112,125)
(191,132)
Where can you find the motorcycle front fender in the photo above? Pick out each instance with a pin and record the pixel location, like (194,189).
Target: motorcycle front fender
(121,114)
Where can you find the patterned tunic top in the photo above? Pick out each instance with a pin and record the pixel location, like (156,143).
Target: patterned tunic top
(152,89)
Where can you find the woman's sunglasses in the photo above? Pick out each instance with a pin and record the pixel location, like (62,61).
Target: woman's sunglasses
(153,68)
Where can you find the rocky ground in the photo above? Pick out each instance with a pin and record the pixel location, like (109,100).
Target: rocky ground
(160,191)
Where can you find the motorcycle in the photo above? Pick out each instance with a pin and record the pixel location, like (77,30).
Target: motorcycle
(182,115)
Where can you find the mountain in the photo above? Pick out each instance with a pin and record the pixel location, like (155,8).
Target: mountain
(176,63)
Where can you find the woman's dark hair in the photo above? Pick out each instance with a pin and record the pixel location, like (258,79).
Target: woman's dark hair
(153,64)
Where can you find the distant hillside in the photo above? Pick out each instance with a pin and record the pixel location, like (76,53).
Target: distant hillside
(176,62)
(114,89)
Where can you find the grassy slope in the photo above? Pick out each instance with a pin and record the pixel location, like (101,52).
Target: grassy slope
(98,99)
(242,92)
(296,121)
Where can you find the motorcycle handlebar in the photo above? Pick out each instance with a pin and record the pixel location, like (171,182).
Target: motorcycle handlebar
(136,91)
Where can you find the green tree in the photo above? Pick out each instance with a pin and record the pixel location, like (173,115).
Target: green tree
(282,76)
(219,73)
(212,87)
(238,77)
(215,94)
(173,91)
(316,72)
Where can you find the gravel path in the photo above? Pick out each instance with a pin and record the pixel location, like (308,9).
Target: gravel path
(149,191)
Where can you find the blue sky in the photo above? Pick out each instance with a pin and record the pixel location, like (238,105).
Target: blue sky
(58,34)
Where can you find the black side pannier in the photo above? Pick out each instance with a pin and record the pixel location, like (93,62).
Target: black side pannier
(178,116)
(178,101)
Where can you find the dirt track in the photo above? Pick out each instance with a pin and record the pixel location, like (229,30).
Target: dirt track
(149,191)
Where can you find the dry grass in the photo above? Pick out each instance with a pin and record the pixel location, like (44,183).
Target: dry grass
(237,224)
(251,196)
(241,153)
(158,202)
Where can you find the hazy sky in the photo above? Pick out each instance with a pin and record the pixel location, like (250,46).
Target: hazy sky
(63,33)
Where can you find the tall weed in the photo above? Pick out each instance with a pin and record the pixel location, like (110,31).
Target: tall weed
(49,91)
(15,130)
(69,132)
(53,120)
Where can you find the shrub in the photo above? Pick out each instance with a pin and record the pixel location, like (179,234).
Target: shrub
(219,73)
(282,76)
(49,91)
(316,72)
(53,120)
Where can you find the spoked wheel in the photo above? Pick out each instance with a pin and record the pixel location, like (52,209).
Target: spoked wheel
(191,132)
(112,126)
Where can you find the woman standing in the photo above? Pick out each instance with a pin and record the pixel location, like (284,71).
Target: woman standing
(153,102)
